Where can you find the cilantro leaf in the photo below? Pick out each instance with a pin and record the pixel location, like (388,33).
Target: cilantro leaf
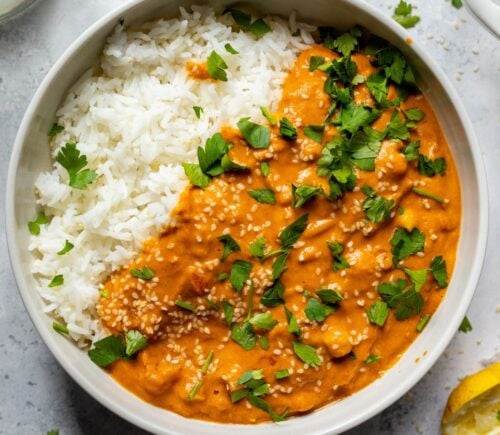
(60,328)
(264,196)
(427,194)
(414,114)
(134,342)
(417,277)
(315,132)
(230,245)
(344,70)
(257,247)
(293,231)
(279,265)
(302,194)
(229,166)
(69,158)
(244,335)
(409,303)
(229,48)
(390,291)
(287,130)
(403,15)
(262,404)
(438,269)
(258,136)
(210,157)
(282,374)
(264,320)
(316,311)
(293,326)
(258,27)
(377,208)
(465,326)
(55,130)
(145,273)
(429,167)
(273,296)
(306,353)
(328,296)
(339,262)
(371,359)
(240,272)
(264,168)
(270,118)
(353,117)
(216,67)
(457,4)
(198,111)
(57,281)
(228,309)
(377,85)
(34,226)
(68,246)
(195,175)
(107,351)
(378,313)
(348,41)
(397,129)
(405,243)
(315,62)
(410,150)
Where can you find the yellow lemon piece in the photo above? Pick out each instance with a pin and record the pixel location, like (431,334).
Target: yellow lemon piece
(473,407)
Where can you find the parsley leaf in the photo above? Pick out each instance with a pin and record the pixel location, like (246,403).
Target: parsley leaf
(55,130)
(403,15)
(353,117)
(293,326)
(228,309)
(287,130)
(409,303)
(378,313)
(364,147)
(210,157)
(229,166)
(410,150)
(240,272)
(69,158)
(405,243)
(377,208)
(34,226)
(293,231)
(56,281)
(316,311)
(390,291)
(258,136)
(145,273)
(134,342)
(315,62)
(417,277)
(229,48)
(438,269)
(429,167)
(302,194)
(282,374)
(195,175)
(68,246)
(270,118)
(257,247)
(107,351)
(315,132)
(216,67)
(230,245)
(458,4)
(264,320)
(273,296)
(465,326)
(244,335)
(198,111)
(339,262)
(264,196)
(306,353)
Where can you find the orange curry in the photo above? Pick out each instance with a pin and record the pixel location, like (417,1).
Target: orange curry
(306,349)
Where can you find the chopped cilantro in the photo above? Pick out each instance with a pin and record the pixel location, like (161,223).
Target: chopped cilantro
(410,150)
(34,226)
(258,136)
(465,326)
(429,167)
(315,132)
(230,245)
(405,243)
(422,323)
(302,194)
(328,296)
(210,157)
(257,247)
(258,27)
(228,309)
(315,62)
(336,249)
(371,359)
(279,265)
(217,67)
(414,114)
(195,175)
(55,130)
(185,305)
(403,15)
(377,84)
(229,48)
(264,168)
(229,166)
(377,208)
(264,196)
(293,326)
(378,313)
(134,342)
(364,147)
(270,118)
(427,194)
(353,117)
(240,272)
(406,303)
(417,277)
(244,335)
(293,231)
(348,41)
(316,311)
(107,351)
(273,296)
(264,342)
(145,273)
(397,129)
(62,329)
(69,158)
(287,130)
(68,246)
(264,320)
(458,4)
(198,111)
(282,374)
(306,353)
(56,281)
(438,269)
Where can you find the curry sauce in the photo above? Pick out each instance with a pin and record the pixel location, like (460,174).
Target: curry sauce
(181,309)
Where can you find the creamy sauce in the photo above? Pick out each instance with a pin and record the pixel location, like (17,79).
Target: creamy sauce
(186,260)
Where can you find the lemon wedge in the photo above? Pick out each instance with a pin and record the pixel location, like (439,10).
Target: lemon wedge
(473,407)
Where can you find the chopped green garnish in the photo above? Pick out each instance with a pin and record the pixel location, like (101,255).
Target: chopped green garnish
(378,313)
(206,364)
(212,304)
(465,326)
(377,208)
(53,432)
(429,167)
(287,130)
(264,196)
(264,342)
(198,111)
(328,296)
(222,276)
(371,359)
(293,231)
(316,311)
(315,62)
(377,85)
(217,67)
(279,265)
(339,262)
(270,118)
(414,114)
(240,272)
(244,335)
(417,277)
(68,246)
(438,269)
(293,325)
(230,245)
(348,41)
(228,311)
(306,353)
(397,129)
(258,136)
(69,158)
(264,168)
(107,351)
(258,27)
(229,48)
(405,243)
(302,194)
(195,175)
(134,342)
(410,150)
(210,157)
(423,322)
(62,329)
(185,305)
(263,320)
(406,303)
(145,273)
(282,374)
(56,281)
(273,296)
(55,130)
(34,226)
(257,247)
(427,194)
(403,15)
(315,132)
(194,390)
(458,4)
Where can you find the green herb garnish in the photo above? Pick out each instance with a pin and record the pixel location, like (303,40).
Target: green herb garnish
(230,245)
(427,194)
(145,273)
(306,353)
(315,62)
(228,309)
(69,158)
(56,281)
(258,136)
(403,15)
(55,130)
(229,48)
(216,67)
(302,194)
(270,118)
(465,326)
(293,231)
(34,226)
(371,359)
(62,329)
(258,27)
(68,246)
(315,132)
(293,325)
(377,208)
(282,374)
(264,196)
(244,335)
(405,243)
(198,111)
(264,168)
(240,272)
(263,320)
(273,296)
(316,311)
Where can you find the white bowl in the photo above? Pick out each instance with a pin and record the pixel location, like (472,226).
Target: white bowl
(31,155)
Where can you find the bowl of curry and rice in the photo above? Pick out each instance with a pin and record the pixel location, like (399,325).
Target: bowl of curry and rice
(231,215)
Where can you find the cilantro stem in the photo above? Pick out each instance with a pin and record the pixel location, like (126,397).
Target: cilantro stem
(60,328)
(250,301)
(423,322)
(195,390)
(427,194)
(206,365)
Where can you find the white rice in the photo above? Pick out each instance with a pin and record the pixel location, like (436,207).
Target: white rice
(134,120)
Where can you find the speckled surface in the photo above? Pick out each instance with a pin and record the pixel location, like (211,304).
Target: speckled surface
(35,392)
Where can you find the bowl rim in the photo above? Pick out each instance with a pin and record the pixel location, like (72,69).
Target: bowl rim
(439,344)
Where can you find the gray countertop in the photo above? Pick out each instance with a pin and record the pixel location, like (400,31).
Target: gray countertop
(36,394)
